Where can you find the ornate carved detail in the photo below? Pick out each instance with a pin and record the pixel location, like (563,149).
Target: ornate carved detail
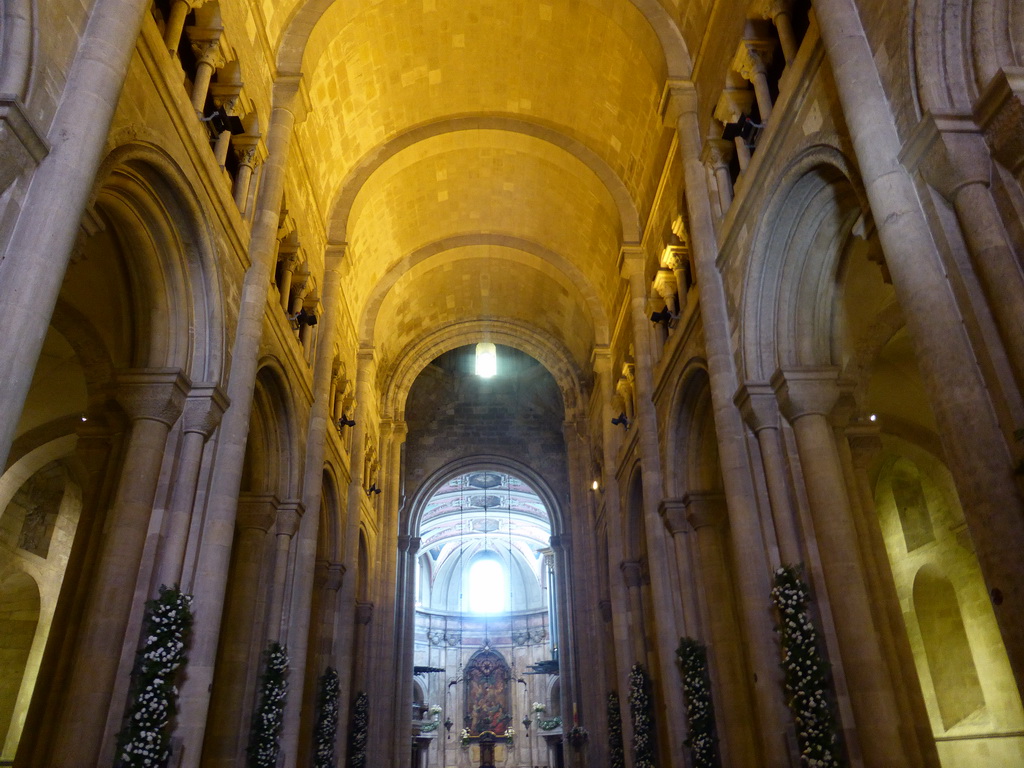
(534,636)
(157,395)
(204,408)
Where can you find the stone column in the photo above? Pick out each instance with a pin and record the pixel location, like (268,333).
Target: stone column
(633,578)
(863,446)
(176,23)
(153,400)
(205,43)
(289,256)
(349,607)
(716,155)
(229,715)
(706,513)
(753,582)
(806,398)
(751,61)
(245,148)
(32,266)
(760,409)
(664,624)
(289,515)
(203,410)
(296,632)
(976,449)
(954,159)
(673,512)
(779,12)
(210,580)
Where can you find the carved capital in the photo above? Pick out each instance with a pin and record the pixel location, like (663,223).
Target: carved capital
(155,394)
(256,512)
(205,42)
(806,391)
(705,509)
(632,573)
(364,612)
(289,515)
(950,152)
(758,405)
(1000,113)
(225,95)
(865,444)
(204,408)
(717,153)
(673,513)
(734,103)
(246,149)
(665,283)
(753,58)
(22,145)
(605,608)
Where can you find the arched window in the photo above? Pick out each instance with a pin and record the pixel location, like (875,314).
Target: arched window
(488,585)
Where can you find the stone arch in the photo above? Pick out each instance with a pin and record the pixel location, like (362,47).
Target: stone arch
(145,195)
(959,46)
(951,663)
(791,282)
(410,523)
(695,464)
(363,574)
(629,217)
(329,544)
(573,277)
(271,449)
(634,536)
(19,621)
(547,351)
(306,15)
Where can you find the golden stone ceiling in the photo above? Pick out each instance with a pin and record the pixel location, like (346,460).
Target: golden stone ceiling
(484,161)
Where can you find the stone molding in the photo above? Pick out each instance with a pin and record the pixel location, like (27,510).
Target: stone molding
(364,612)
(22,145)
(289,516)
(256,511)
(204,408)
(673,514)
(706,509)
(758,405)
(806,391)
(157,394)
(1000,113)
(632,572)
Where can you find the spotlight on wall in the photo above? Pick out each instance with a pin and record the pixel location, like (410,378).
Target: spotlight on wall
(373,489)
(664,316)
(621,420)
(595,485)
(345,421)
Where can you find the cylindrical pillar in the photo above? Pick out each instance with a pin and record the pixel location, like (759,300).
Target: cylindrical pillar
(33,264)
(807,397)
(706,513)
(246,160)
(748,548)
(754,69)
(289,515)
(209,582)
(976,450)
(153,401)
(779,12)
(175,24)
(206,47)
(717,154)
(203,410)
(758,405)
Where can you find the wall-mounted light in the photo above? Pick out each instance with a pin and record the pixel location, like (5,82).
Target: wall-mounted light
(373,489)
(594,486)
(621,421)
(345,421)
(305,318)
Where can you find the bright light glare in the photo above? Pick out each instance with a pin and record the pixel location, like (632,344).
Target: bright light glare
(486,360)
(487,587)
(874,417)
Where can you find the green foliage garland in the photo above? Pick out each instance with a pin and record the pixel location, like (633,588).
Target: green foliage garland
(268,718)
(549,724)
(806,673)
(357,734)
(700,712)
(616,754)
(640,710)
(326,728)
(146,737)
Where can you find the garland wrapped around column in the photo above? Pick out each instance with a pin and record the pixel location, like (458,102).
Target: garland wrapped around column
(326,729)
(146,737)
(358,731)
(268,718)
(700,711)
(640,710)
(806,673)
(616,753)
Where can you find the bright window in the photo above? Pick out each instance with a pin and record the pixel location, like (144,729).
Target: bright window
(486,360)
(487,587)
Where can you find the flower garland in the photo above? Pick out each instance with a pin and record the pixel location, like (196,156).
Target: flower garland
(616,754)
(268,718)
(549,724)
(357,736)
(146,737)
(806,673)
(429,727)
(700,712)
(577,736)
(326,728)
(640,710)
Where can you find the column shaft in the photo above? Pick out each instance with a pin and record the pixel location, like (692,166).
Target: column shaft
(748,555)
(977,453)
(33,265)
(210,580)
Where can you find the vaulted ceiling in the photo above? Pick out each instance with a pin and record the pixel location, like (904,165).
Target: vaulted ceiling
(486,161)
